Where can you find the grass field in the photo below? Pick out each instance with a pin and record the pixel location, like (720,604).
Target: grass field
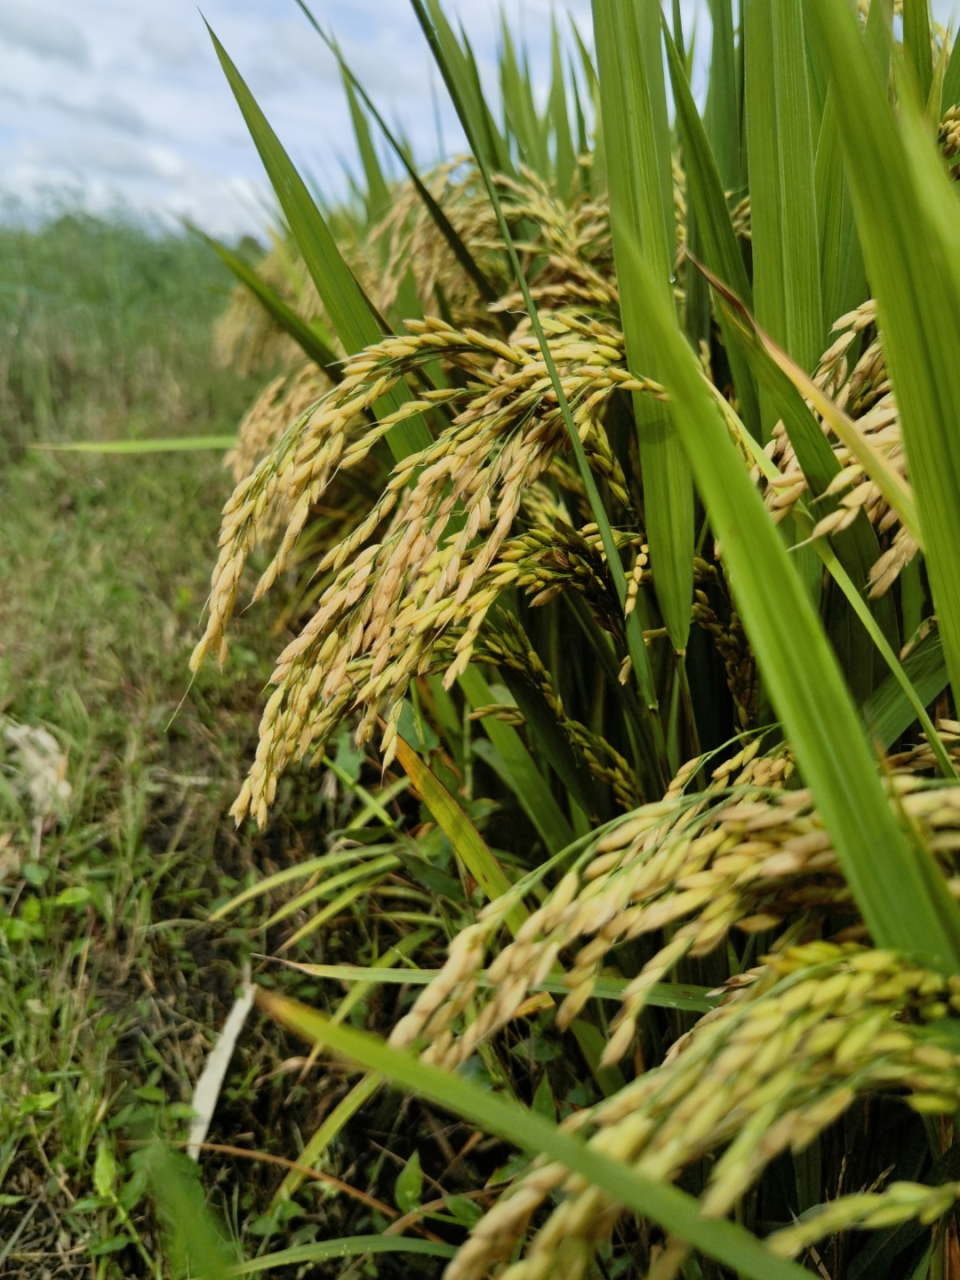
(110,988)
(112,985)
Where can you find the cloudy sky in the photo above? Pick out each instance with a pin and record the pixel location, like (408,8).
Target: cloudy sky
(124,99)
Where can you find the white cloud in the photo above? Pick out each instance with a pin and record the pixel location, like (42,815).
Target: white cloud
(43,32)
(135,104)
(81,155)
(170,43)
(107,109)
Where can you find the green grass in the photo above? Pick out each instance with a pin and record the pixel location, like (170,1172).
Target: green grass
(104,577)
(106,327)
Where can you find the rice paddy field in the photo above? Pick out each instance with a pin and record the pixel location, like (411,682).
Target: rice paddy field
(480,760)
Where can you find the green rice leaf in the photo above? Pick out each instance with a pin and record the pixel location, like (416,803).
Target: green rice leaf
(365,870)
(443,223)
(633,102)
(378,193)
(343,1247)
(950,94)
(514,764)
(677,1212)
(934,109)
(722,114)
(917,43)
(666,995)
(560,121)
(889,713)
(586,59)
(342,1113)
(804,329)
(460,831)
(714,228)
(598,169)
(914,699)
(843,280)
(583,141)
(462,79)
(898,889)
(310,342)
(299,871)
(906,212)
(544,729)
(760,113)
(174,444)
(341,295)
(518,106)
(346,304)
(359,1094)
(678,30)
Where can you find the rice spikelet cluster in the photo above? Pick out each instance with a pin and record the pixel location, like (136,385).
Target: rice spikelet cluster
(726,631)
(747,853)
(782,1058)
(508,646)
(572,247)
(412,584)
(789,1047)
(865,394)
(948,136)
(281,402)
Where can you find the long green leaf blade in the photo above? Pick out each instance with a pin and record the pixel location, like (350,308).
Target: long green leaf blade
(950,93)
(344,300)
(560,121)
(907,217)
(843,281)
(344,1247)
(270,300)
(378,193)
(803,310)
(460,74)
(722,115)
(889,713)
(515,766)
(173,444)
(714,227)
(904,901)
(916,42)
(630,97)
(519,110)
(460,831)
(666,995)
(760,113)
(443,223)
(672,1208)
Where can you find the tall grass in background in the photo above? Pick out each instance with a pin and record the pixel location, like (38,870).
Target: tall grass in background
(619,491)
(105,328)
(109,820)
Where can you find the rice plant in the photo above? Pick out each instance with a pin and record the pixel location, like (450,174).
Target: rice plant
(624,472)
